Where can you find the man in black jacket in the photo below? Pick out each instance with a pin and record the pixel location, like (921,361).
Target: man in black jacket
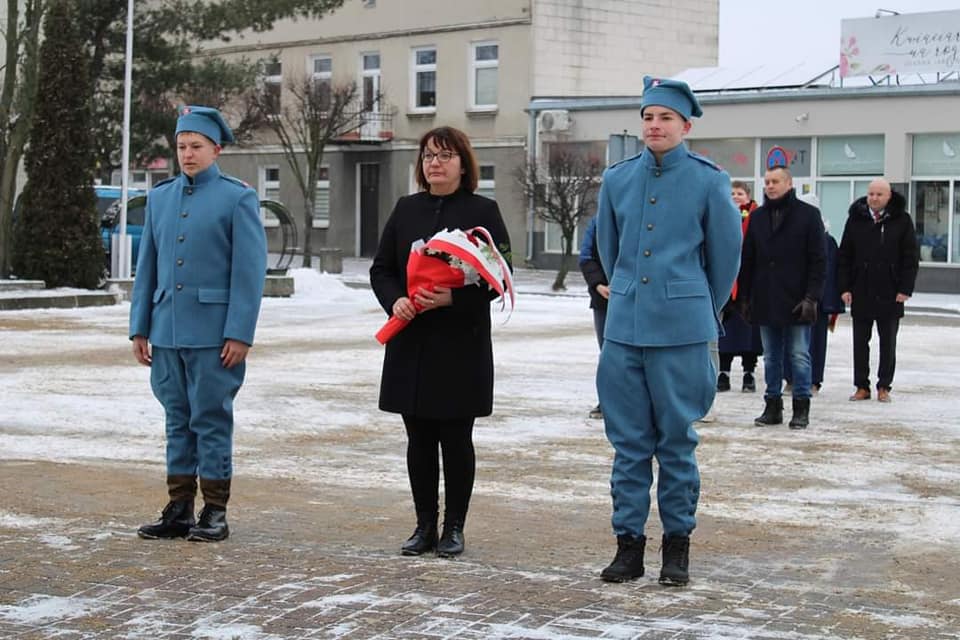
(877,268)
(781,279)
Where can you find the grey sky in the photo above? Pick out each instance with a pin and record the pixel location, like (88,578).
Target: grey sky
(753,32)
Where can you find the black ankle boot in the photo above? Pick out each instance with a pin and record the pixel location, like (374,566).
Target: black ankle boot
(628,563)
(723,381)
(423,540)
(674,570)
(211,527)
(451,542)
(749,383)
(175,521)
(801,413)
(772,413)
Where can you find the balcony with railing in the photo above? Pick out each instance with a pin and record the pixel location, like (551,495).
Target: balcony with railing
(374,126)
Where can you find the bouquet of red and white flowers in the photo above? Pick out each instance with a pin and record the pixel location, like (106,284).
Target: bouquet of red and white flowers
(454,258)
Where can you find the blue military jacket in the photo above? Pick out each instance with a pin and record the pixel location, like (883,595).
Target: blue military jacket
(203,259)
(669,239)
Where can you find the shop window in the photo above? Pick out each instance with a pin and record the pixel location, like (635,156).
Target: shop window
(932,217)
(737,156)
(936,155)
(850,156)
(794,153)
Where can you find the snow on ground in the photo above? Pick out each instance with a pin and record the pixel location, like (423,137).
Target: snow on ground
(71,392)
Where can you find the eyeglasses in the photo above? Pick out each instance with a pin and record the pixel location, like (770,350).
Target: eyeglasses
(444,156)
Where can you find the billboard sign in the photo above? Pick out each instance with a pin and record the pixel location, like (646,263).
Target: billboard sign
(902,44)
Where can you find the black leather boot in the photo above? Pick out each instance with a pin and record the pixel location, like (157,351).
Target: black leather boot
(674,570)
(801,413)
(723,381)
(628,563)
(451,542)
(211,526)
(424,538)
(175,521)
(772,413)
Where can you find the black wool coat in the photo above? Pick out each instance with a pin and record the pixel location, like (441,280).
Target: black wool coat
(441,365)
(779,268)
(878,260)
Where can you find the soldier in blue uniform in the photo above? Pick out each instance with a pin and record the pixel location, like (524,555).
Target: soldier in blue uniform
(669,240)
(196,299)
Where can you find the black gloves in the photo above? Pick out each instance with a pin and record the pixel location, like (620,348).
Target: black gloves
(806,311)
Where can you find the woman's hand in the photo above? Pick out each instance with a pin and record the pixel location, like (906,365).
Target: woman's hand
(404,309)
(439,297)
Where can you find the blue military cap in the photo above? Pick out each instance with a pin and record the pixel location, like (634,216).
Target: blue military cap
(207,121)
(672,94)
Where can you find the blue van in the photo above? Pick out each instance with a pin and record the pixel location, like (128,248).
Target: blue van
(108,206)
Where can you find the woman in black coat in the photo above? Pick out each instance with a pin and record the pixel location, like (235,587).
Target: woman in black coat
(438,371)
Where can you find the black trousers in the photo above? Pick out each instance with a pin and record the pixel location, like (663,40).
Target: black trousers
(749,361)
(887,334)
(425,439)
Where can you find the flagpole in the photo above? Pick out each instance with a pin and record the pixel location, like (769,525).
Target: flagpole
(124,257)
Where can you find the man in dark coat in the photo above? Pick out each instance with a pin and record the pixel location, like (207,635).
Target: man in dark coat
(878,263)
(597,286)
(781,279)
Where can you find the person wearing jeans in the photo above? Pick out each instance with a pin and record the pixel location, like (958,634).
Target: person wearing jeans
(782,274)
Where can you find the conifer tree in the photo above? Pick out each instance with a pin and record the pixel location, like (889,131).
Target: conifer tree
(57,236)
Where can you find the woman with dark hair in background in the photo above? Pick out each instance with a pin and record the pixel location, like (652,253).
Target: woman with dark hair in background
(438,371)
(740,338)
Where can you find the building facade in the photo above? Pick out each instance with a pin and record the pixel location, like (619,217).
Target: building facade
(475,66)
(835,140)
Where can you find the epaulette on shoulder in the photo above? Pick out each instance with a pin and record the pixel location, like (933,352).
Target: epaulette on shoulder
(236,181)
(163,182)
(705,160)
(625,160)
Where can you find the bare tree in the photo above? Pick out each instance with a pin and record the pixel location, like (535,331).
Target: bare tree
(563,190)
(312,115)
(17,99)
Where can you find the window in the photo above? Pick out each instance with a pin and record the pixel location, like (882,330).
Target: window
(487,186)
(835,198)
(932,212)
(484,70)
(321,72)
(553,238)
(424,80)
(321,205)
(936,155)
(936,192)
(370,82)
(369,4)
(269,189)
(272,84)
(850,156)
(795,152)
(735,155)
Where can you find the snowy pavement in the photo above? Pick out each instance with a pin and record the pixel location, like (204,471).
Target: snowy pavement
(848,530)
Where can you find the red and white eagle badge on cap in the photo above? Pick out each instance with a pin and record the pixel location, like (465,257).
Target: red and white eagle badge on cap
(185,111)
(656,82)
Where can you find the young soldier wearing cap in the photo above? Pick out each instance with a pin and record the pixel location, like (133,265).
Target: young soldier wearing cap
(196,298)
(669,241)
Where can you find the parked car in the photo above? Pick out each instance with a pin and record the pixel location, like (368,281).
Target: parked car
(108,205)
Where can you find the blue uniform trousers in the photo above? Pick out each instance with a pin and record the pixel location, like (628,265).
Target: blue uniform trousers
(650,398)
(197,393)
